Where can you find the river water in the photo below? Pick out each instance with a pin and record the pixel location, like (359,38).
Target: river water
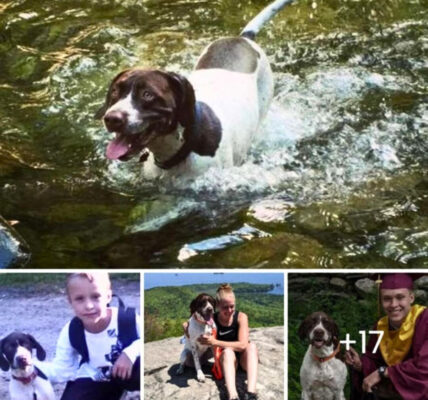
(338,179)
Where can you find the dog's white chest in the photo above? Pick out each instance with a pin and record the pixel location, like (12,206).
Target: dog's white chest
(322,380)
(38,389)
(195,331)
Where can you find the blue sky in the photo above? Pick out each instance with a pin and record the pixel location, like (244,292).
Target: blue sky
(183,278)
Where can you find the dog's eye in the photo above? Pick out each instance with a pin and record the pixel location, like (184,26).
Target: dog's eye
(114,93)
(147,96)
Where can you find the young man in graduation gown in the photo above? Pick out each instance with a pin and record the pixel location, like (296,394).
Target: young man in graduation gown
(398,370)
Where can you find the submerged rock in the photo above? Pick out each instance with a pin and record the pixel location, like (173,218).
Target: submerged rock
(271,210)
(14,252)
(153,215)
(247,232)
(280,250)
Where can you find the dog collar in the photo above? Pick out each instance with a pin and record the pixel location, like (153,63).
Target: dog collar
(26,379)
(324,359)
(190,134)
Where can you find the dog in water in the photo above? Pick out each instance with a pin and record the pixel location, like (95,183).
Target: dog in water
(179,124)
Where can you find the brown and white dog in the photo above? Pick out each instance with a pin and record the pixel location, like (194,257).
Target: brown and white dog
(211,118)
(201,322)
(27,382)
(322,375)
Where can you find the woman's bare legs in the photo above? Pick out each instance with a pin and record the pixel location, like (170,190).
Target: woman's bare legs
(228,365)
(250,362)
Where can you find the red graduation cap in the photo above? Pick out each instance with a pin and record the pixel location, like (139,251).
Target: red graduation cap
(397,280)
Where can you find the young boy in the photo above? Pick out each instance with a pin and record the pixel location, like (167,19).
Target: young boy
(97,351)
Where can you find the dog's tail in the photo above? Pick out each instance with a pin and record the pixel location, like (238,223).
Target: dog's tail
(253,27)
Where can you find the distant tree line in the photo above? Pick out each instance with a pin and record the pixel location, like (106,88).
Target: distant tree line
(166,308)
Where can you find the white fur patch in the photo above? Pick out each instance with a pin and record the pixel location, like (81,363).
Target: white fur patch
(126,106)
(21,352)
(319,326)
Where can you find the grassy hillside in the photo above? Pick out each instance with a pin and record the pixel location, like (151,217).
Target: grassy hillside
(24,279)
(166,308)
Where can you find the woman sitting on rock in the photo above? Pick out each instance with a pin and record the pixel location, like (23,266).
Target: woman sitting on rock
(233,339)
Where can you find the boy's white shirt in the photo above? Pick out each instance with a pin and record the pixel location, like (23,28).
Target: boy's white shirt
(65,366)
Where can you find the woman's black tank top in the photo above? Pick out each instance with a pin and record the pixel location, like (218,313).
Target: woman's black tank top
(227,333)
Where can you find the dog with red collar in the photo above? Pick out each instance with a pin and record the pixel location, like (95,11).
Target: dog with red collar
(323,374)
(27,381)
(201,322)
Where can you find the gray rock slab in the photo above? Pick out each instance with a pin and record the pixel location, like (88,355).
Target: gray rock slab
(161,359)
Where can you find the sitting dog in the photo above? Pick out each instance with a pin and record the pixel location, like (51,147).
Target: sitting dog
(201,322)
(189,124)
(27,381)
(322,375)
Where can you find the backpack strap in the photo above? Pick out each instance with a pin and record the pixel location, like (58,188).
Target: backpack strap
(76,334)
(126,324)
(40,373)
(119,301)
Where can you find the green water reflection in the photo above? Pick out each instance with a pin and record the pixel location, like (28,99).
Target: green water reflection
(350,75)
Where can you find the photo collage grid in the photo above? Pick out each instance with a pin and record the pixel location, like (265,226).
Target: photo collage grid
(213,200)
(272,334)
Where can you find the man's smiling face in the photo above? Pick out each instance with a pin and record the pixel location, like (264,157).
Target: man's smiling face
(397,304)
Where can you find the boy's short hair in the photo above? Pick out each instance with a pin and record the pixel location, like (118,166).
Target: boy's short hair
(101,277)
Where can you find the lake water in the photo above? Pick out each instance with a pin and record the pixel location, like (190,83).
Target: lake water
(339,178)
(152,280)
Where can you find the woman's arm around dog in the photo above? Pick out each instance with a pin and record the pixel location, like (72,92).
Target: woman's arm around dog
(243,334)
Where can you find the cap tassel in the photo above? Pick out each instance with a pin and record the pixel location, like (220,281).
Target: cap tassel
(378,282)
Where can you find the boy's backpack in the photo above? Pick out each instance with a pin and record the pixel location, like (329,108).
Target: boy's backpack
(127,330)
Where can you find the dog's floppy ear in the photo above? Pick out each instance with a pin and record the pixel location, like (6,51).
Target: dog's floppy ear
(194,305)
(100,113)
(304,328)
(184,96)
(332,326)
(40,351)
(4,364)
(334,329)
(213,301)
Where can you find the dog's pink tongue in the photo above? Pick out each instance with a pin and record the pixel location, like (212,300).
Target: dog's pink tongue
(209,321)
(117,148)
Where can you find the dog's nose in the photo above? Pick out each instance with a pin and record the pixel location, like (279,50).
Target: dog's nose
(21,361)
(115,121)
(318,333)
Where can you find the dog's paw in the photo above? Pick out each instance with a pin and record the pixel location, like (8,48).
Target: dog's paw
(201,376)
(180,370)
